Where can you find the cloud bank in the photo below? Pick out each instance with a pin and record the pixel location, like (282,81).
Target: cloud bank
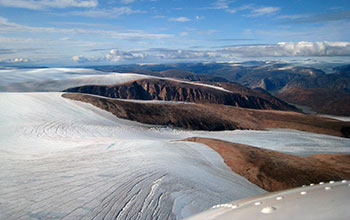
(282,49)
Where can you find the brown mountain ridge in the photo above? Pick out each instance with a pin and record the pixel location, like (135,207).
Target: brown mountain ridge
(275,171)
(173,90)
(213,116)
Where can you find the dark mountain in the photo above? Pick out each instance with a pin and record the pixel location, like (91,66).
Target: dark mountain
(343,70)
(257,92)
(172,90)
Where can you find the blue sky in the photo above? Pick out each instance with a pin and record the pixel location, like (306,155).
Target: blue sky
(90,32)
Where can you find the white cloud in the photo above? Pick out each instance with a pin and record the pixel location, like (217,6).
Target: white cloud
(137,35)
(287,49)
(7,26)
(15,60)
(254,11)
(257,12)
(84,59)
(282,49)
(199,17)
(111,13)
(19,60)
(180,19)
(221,4)
(127,1)
(242,8)
(118,55)
(291,17)
(42,4)
(80,59)
(317,48)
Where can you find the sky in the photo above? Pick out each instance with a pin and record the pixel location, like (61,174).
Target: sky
(113,32)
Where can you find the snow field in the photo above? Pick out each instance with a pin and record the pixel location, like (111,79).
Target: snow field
(62,159)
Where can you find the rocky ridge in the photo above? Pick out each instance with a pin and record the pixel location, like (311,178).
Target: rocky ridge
(173,90)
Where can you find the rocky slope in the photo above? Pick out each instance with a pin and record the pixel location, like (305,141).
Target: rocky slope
(334,82)
(258,92)
(213,116)
(275,171)
(323,101)
(172,90)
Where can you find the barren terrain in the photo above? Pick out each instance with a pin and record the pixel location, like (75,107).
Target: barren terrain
(274,171)
(213,117)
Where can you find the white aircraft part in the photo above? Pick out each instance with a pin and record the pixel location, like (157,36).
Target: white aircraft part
(314,202)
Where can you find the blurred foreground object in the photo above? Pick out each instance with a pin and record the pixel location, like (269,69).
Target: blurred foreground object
(321,201)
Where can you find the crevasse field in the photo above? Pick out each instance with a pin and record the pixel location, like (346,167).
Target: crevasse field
(63,159)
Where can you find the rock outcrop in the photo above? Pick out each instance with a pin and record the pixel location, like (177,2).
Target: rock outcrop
(172,90)
(257,92)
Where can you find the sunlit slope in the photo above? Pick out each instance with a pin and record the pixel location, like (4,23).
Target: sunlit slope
(58,79)
(63,159)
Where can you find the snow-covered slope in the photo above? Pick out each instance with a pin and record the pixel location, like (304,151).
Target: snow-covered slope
(59,79)
(62,159)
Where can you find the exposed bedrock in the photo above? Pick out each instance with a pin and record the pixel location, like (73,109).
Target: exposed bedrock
(172,90)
